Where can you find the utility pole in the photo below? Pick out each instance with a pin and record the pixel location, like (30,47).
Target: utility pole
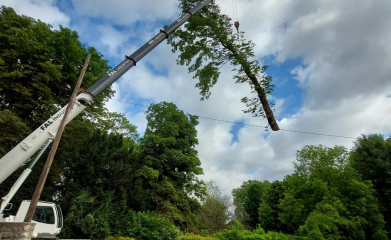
(49,161)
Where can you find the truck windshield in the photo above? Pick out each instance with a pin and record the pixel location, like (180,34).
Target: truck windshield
(44,215)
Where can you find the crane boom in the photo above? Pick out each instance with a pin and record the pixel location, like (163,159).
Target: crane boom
(31,144)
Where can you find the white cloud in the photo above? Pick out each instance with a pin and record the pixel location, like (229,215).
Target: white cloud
(125,12)
(345,50)
(44,10)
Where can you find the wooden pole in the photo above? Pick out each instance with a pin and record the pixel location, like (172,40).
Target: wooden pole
(49,161)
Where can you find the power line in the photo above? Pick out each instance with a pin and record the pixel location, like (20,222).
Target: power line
(250,125)
(319,134)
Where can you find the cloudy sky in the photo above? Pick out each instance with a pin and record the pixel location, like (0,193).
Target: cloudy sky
(330,60)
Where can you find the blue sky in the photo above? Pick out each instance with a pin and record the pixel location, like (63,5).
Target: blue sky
(330,63)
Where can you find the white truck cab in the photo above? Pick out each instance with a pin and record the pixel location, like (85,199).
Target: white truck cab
(47,217)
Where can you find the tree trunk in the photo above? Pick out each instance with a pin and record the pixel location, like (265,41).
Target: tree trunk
(258,88)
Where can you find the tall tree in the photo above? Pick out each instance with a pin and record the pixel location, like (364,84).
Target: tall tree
(325,189)
(371,158)
(216,213)
(98,177)
(269,208)
(249,198)
(168,148)
(208,42)
(11,126)
(39,67)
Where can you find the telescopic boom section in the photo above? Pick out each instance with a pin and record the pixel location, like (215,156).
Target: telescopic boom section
(131,60)
(30,145)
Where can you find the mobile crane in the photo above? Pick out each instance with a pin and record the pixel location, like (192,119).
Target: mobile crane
(48,216)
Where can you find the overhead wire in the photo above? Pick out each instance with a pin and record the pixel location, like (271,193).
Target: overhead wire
(250,125)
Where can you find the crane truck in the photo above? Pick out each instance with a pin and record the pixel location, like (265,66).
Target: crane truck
(48,216)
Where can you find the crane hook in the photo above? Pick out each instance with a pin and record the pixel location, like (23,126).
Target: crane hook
(236,24)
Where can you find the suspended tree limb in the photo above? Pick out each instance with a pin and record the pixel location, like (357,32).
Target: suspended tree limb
(258,88)
(208,43)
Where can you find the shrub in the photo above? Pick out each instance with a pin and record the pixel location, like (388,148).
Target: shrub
(196,237)
(119,238)
(237,232)
(148,226)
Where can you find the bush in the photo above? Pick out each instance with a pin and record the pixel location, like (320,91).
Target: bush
(119,238)
(380,235)
(148,226)
(196,237)
(281,236)
(237,232)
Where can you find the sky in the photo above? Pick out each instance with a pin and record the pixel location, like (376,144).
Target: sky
(330,61)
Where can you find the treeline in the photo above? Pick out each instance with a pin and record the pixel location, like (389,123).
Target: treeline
(333,194)
(110,181)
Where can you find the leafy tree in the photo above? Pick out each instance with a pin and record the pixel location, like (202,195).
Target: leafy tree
(216,213)
(39,67)
(116,123)
(149,226)
(97,185)
(236,231)
(371,159)
(324,184)
(321,162)
(207,43)
(300,200)
(11,126)
(168,147)
(249,197)
(323,224)
(98,219)
(269,208)
(326,223)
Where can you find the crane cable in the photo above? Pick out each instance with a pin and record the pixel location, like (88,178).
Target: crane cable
(236,18)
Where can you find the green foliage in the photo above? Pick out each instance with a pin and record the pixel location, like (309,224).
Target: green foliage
(151,227)
(326,200)
(39,67)
(270,207)
(248,198)
(237,232)
(196,237)
(299,200)
(371,159)
(207,43)
(98,180)
(119,238)
(215,213)
(168,147)
(12,128)
(322,223)
(99,219)
(118,175)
